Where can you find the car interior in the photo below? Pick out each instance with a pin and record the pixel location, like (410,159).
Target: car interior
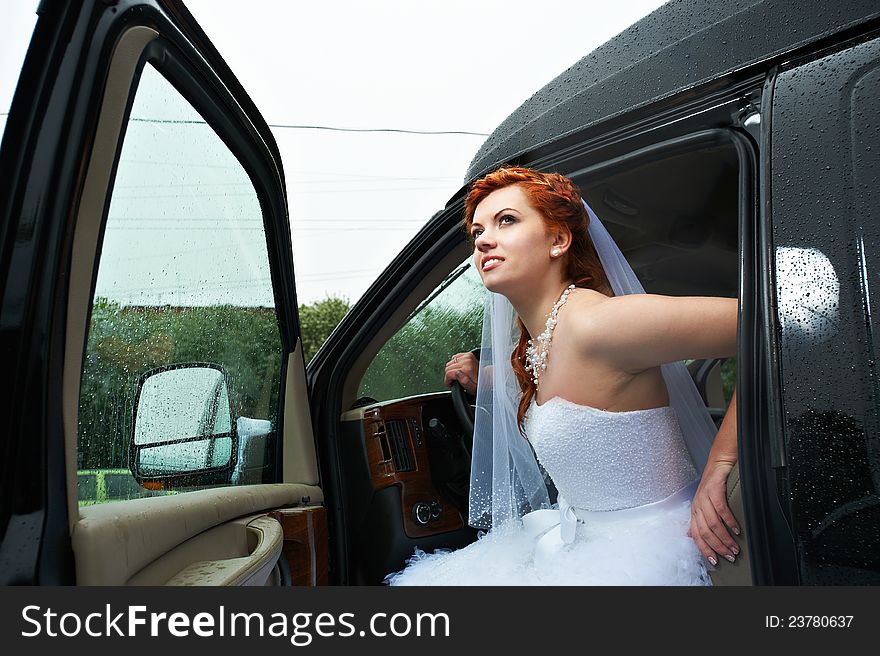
(675,217)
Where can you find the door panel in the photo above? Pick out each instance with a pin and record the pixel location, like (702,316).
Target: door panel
(256,543)
(162,537)
(825,150)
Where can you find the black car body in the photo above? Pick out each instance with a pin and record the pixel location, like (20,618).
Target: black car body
(730,147)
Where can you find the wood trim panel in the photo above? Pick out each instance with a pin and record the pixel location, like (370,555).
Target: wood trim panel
(415,484)
(305,543)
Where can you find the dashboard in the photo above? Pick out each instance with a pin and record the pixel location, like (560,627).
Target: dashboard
(416,444)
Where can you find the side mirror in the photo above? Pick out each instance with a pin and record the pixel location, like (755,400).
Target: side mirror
(183,433)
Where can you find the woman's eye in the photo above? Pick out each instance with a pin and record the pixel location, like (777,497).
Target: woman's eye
(506,217)
(476,233)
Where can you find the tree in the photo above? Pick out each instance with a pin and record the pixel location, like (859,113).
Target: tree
(317,320)
(126,341)
(413,360)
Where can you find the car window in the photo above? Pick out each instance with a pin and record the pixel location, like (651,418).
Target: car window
(413,360)
(183,277)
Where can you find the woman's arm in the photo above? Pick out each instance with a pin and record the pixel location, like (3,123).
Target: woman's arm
(711,519)
(639,331)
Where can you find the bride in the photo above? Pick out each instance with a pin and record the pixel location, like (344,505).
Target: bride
(581,377)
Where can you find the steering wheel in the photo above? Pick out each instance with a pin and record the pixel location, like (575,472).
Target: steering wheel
(463,408)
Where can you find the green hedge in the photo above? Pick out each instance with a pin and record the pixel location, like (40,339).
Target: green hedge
(126,341)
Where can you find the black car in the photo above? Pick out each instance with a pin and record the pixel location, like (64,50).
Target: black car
(731,148)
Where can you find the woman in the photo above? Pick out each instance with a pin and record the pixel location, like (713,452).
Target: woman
(609,410)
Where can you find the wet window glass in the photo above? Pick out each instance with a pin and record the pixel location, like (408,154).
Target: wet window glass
(413,360)
(87,485)
(183,286)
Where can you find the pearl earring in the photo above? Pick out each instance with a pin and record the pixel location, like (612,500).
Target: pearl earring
(555,252)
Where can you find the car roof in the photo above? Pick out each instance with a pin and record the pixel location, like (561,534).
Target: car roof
(680,45)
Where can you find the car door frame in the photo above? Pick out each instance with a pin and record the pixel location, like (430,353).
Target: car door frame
(46,149)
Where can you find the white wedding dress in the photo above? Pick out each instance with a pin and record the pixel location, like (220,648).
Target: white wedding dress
(625,480)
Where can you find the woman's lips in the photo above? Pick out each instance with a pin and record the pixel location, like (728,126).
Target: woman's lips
(492,263)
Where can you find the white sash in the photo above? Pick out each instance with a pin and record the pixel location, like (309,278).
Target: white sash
(559,527)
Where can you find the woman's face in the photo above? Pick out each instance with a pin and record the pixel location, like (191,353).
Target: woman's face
(511,241)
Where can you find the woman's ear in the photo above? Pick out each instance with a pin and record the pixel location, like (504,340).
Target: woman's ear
(561,242)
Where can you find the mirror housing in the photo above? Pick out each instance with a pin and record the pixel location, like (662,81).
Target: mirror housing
(183,433)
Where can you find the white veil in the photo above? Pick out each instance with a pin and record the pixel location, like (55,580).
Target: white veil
(506,480)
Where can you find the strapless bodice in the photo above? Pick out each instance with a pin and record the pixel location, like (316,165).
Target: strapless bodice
(601,460)
(635,462)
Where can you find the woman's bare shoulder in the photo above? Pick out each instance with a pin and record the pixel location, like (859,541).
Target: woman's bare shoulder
(582,295)
(594,317)
(583,300)
(585,319)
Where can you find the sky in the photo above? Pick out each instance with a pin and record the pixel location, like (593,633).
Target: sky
(357,198)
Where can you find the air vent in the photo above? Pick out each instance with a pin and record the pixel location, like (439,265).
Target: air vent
(398,443)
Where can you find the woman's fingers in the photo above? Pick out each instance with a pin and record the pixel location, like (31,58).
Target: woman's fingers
(462,368)
(706,533)
(719,531)
(711,519)
(709,526)
(723,511)
(704,548)
(453,366)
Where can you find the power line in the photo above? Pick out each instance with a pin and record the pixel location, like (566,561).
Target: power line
(335,129)
(288,126)
(297,191)
(367,175)
(352,178)
(196,286)
(258,219)
(233,221)
(118,228)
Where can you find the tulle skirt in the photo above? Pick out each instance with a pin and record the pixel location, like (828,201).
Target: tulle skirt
(651,548)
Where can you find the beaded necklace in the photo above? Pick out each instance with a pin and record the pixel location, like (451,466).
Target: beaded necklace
(536,356)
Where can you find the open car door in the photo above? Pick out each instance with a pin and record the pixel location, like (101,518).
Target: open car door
(158,431)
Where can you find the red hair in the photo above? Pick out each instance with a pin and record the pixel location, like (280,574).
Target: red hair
(558,200)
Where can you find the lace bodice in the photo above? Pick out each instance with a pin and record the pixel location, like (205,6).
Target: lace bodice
(602,460)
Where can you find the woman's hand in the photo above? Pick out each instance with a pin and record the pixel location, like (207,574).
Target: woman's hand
(711,519)
(463,367)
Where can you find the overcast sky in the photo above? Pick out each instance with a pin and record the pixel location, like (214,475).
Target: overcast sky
(357,198)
